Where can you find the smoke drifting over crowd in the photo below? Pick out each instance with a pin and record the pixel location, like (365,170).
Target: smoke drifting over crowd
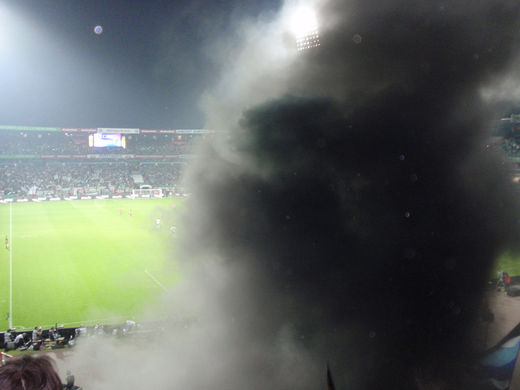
(364,194)
(353,213)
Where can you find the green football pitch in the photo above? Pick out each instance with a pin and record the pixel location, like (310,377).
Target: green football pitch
(85,261)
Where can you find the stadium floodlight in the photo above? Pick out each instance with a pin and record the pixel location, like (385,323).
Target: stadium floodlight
(304,26)
(303,22)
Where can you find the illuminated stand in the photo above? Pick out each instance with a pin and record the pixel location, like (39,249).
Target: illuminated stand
(305,28)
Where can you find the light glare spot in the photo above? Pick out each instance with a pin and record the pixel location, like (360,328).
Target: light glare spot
(303,22)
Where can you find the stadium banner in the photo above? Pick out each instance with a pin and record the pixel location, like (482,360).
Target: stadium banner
(117,131)
(59,156)
(74,130)
(164,131)
(111,156)
(192,131)
(95,156)
(165,156)
(157,156)
(28,128)
(17,156)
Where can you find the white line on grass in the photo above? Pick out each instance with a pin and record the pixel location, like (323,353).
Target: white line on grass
(11,265)
(155,280)
(85,322)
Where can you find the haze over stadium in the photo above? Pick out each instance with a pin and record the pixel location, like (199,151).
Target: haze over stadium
(347,211)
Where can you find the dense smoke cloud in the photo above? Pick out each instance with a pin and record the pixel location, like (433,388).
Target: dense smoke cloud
(363,194)
(351,214)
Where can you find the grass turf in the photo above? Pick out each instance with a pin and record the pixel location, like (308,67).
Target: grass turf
(90,261)
(507,262)
(86,261)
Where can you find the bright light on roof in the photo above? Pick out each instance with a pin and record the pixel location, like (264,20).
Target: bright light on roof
(303,22)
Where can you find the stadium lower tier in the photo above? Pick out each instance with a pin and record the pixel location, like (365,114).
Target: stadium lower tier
(60,179)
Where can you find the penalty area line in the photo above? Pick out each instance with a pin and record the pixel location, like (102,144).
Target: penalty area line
(155,280)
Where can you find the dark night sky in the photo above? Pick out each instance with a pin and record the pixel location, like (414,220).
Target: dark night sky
(147,69)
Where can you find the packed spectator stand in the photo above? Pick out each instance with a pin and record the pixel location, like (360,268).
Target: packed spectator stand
(77,143)
(57,162)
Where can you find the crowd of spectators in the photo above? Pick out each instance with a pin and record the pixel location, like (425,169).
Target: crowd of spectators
(160,143)
(36,143)
(511,147)
(52,143)
(53,178)
(60,337)
(158,177)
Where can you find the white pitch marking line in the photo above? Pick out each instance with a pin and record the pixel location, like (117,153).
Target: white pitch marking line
(85,322)
(11,265)
(155,280)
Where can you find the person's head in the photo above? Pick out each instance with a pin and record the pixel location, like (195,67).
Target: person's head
(29,373)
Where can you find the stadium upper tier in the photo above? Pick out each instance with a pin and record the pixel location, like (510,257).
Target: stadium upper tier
(49,163)
(97,143)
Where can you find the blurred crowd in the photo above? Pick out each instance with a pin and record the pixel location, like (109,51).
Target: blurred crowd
(511,147)
(30,178)
(60,337)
